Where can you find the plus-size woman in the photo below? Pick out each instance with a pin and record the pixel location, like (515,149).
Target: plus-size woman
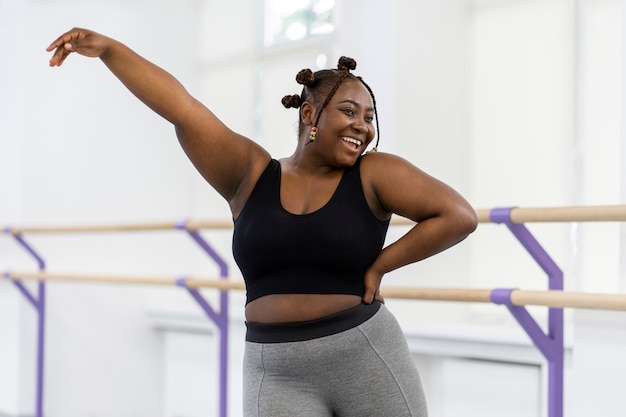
(309,233)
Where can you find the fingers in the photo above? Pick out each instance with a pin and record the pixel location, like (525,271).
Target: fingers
(372,282)
(60,41)
(64,45)
(372,291)
(60,54)
(62,48)
(370,296)
(379,298)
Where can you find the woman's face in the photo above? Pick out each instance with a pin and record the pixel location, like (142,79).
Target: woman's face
(346,126)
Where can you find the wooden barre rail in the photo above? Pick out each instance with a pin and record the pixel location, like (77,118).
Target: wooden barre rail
(556,299)
(569,214)
(124,227)
(221,284)
(517,215)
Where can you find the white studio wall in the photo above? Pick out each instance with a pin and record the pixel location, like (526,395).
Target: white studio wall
(600,137)
(430,114)
(522,123)
(512,102)
(94,154)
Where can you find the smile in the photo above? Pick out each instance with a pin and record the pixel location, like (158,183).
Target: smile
(352,140)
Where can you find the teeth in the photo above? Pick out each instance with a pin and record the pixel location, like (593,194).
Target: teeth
(352,140)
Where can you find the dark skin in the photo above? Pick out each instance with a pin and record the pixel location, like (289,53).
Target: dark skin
(309,176)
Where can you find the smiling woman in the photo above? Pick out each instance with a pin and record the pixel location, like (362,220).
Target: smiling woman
(327,82)
(309,231)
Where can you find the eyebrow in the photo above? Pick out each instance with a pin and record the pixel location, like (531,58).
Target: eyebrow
(355,104)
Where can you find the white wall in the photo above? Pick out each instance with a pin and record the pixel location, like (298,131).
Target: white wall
(81,149)
(512,102)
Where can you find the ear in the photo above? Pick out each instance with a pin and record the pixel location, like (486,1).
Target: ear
(307,113)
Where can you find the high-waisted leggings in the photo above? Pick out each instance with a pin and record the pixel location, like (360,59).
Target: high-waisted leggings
(365,370)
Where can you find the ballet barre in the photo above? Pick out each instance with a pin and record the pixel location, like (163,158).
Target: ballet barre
(518,215)
(123,227)
(519,297)
(193,283)
(549,343)
(566,214)
(218,315)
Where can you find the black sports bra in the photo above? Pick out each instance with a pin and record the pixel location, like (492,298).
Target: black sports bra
(323,252)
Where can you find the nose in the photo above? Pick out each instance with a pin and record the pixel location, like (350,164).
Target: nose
(359,125)
(362,130)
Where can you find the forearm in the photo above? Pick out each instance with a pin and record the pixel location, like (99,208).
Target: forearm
(425,239)
(155,87)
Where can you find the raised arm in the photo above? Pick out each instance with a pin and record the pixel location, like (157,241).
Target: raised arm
(228,161)
(443,216)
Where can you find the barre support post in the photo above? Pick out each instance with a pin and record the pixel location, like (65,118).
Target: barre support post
(219,318)
(550,344)
(39,303)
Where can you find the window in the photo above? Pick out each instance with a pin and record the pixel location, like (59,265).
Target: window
(293,20)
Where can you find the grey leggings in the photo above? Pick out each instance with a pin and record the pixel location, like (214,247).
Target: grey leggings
(365,371)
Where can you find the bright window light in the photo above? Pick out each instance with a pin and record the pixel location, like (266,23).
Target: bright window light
(293,20)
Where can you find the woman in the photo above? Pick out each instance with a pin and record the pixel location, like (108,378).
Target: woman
(308,237)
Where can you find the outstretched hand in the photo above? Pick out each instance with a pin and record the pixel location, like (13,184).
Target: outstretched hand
(81,41)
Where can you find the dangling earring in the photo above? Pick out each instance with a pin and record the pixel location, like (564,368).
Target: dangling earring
(313,134)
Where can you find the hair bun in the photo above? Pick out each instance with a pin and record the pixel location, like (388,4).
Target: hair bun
(292,101)
(305,77)
(346,64)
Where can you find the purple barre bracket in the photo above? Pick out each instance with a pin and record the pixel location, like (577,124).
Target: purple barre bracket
(544,343)
(501,296)
(39,303)
(500,215)
(181,224)
(551,344)
(220,319)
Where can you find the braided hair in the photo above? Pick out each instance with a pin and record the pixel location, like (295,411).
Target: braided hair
(321,86)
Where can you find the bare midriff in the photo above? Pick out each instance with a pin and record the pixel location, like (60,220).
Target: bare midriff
(289,308)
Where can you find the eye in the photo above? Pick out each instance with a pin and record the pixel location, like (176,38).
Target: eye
(348,111)
(369,119)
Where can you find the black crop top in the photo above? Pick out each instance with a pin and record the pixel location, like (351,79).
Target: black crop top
(324,252)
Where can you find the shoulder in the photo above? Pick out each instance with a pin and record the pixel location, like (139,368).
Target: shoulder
(383,174)
(381,158)
(384,165)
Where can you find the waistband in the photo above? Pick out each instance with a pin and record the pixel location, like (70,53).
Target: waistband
(308,330)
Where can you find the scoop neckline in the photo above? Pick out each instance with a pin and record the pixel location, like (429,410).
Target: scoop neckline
(328,203)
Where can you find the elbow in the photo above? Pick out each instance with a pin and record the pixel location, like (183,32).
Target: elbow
(467,220)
